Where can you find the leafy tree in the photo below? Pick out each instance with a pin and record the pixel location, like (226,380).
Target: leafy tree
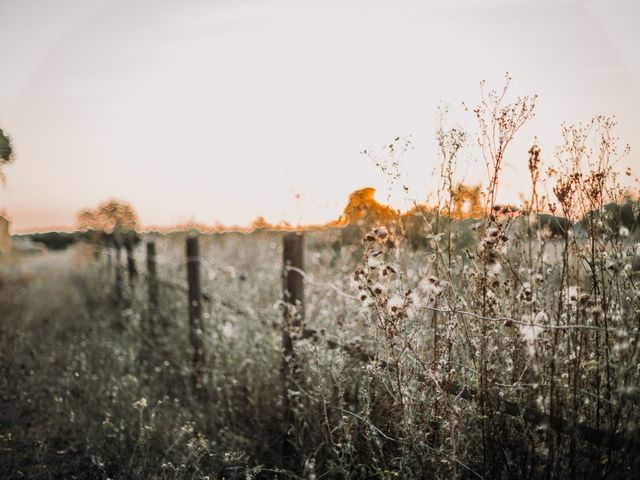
(558,227)
(6,152)
(113,217)
(53,240)
(113,222)
(362,213)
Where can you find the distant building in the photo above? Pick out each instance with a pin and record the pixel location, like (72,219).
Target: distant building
(5,237)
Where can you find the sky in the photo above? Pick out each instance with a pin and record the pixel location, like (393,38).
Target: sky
(223,111)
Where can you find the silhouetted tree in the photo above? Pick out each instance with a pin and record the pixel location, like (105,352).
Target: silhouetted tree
(113,222)
(6,152)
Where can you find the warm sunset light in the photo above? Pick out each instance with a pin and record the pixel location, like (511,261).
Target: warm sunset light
(298,239)
(217,112)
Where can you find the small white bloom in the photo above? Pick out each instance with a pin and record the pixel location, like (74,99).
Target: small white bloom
(140,404)
(396,301)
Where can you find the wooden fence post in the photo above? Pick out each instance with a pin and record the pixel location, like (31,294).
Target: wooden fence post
(131,261)
(152,274)
(118,292)
(293,315)
(293,281)
(196,328)
(292,289)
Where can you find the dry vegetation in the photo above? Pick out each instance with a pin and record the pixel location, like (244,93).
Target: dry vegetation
(499,348)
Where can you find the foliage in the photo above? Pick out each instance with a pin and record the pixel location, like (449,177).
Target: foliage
(504,346)
(6,152)
(53,240)
(113,220)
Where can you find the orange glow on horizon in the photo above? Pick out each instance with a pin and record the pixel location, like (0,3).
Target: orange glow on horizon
(467,203)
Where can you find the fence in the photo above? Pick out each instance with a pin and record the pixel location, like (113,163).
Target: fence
(294,278)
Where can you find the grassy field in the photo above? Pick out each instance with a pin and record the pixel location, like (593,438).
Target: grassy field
(95,389)
(466,339)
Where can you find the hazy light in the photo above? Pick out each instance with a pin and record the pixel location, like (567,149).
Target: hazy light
(225,111)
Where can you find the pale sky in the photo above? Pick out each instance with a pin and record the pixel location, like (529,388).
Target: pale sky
(221,111)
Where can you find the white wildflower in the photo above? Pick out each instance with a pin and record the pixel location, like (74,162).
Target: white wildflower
(430,285)
(572,295)
(396,301)
(374,261)
(228,330)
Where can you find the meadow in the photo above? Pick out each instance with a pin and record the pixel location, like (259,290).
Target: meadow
(483,341)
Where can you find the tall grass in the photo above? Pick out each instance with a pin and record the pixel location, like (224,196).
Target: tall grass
(511,356)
